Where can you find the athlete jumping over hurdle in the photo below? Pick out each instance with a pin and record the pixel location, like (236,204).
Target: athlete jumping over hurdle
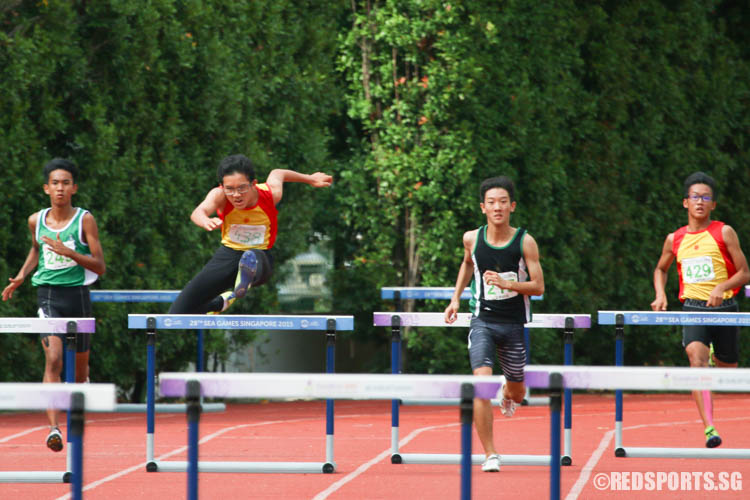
(66,249)
(711,268)
(504,264)
(246,213)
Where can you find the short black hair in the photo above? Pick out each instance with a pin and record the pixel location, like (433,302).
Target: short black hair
(701,178)
(60,164)
(236,164)
(497,182)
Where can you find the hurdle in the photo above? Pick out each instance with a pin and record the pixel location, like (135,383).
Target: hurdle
(130,296)
(568,322)
(152,322)
(662,318)
(70,327)
(327,386)
(76,399)
(628,378)
(397,293)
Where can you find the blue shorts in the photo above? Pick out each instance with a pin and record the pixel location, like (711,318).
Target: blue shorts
(504,339)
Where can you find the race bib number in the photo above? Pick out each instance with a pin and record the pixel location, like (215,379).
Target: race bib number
(54,261)
(491,292)
(698,269)
(247,235)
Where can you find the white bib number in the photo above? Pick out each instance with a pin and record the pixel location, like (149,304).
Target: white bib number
(492,292)
(698,269)
(54,261)
(247,235)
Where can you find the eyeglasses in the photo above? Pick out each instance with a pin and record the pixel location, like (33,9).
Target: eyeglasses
(696,197)
(239,190)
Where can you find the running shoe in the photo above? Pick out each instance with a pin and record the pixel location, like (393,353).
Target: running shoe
(507,405)
(712,437)
(711,361)
(246,273)
(54,439)
(491,464)
(228,298)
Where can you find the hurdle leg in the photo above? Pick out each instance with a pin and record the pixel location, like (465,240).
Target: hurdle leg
(568,395)
(527,342)
(555,386)
(70,378)
(75,431)
(330,465)
(467,416)
(395,369)
(193,418)
(619,361)
(150,381)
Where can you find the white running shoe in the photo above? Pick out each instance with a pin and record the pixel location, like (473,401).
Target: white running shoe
(491,464)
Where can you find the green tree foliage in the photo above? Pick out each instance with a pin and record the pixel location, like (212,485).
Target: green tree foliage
(147,98)
(597,110)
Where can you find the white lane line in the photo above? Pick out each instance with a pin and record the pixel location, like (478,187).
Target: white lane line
(585,474)
(181,449)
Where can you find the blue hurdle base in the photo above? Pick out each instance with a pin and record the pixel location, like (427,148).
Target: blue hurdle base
(35,476)
(685,453)
(257,467)
(476,459)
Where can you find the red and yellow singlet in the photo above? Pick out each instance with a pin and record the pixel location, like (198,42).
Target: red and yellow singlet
(702,262)
(254,227)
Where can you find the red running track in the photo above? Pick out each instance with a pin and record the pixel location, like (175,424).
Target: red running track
(114,451)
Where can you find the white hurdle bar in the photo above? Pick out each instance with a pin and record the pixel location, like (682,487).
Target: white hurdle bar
(396,320)
(663,318)
(153,322)
(361,386)
(68,326)
(76,398)
(399,293)
(324,386)
(150,296)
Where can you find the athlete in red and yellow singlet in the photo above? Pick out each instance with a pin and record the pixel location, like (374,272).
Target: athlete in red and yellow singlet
(712,268)
(252,227)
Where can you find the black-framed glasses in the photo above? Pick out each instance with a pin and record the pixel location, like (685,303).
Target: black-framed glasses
(244,188)
(697,197)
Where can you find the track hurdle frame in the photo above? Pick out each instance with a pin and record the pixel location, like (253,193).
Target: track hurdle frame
(664,318)
(329,386)
(568,322)
(76,399)
(151,322)
(397,293)
(628,378)
(70,327)
(151,296)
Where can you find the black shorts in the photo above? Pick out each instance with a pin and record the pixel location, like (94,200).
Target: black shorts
(65,302)
(506,340)
(201,294)
(726,339)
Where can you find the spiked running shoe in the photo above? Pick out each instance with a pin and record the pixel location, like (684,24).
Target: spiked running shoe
(491,464)
(228,298)
(712,437)
(711,361)
(54,439)
(246,273)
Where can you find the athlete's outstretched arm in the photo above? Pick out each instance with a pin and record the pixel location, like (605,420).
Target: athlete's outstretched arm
(279,176)
(29,264)
(465,274)
(202,215)
(741,277)
(660,274)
